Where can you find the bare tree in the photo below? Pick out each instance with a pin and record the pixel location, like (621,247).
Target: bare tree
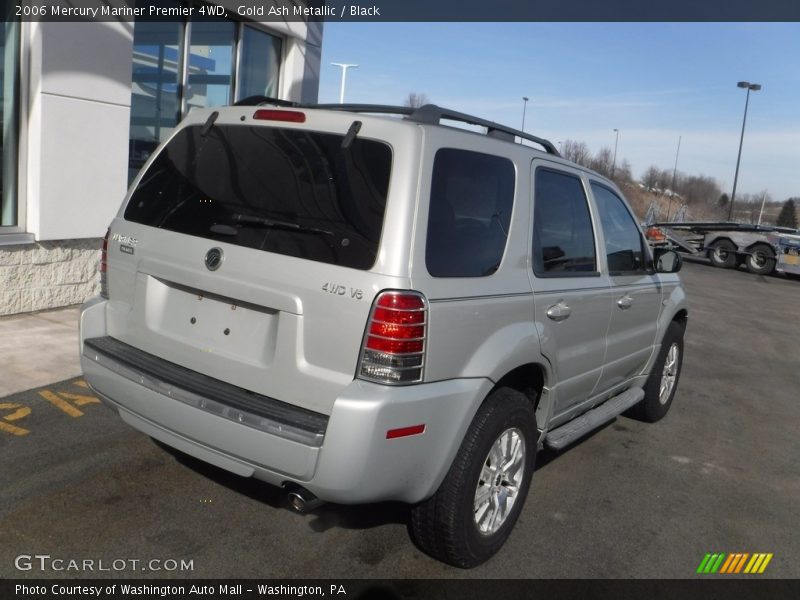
(416,99)
(603,162)
(623,174)
(577,152)
(651,177)
(696,189)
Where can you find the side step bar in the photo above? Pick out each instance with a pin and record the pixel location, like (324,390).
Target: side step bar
(569,432)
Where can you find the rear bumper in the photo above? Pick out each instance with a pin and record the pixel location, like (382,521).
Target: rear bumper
(342,457)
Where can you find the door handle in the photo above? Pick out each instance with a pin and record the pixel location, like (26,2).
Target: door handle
(559,311)
(625,302)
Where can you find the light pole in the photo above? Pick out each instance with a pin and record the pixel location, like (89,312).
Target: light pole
(672,185)
(748,86)
(763,201)
(344,67)
(524,106)
(614,164)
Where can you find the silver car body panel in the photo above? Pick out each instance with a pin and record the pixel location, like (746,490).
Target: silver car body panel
(292,329)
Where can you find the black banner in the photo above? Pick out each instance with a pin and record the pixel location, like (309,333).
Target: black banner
(407,10)
(423,589)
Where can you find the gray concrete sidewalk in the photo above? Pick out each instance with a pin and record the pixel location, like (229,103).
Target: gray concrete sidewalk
(37,349)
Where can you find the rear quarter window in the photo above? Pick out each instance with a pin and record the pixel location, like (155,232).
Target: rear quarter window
(287,191)
(472,196)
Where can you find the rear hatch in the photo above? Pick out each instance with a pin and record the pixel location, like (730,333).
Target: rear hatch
(248,250)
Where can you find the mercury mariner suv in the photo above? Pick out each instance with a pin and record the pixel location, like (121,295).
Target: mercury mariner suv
(363,303)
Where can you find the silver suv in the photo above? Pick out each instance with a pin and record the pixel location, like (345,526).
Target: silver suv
(361,303)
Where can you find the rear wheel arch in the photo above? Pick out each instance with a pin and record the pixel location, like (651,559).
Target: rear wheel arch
(529,379)
(722,238)
(681,317)
(762,246)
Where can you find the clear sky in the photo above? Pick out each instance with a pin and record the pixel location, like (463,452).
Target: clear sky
(652,81)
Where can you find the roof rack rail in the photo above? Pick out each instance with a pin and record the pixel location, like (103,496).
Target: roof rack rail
(430,114)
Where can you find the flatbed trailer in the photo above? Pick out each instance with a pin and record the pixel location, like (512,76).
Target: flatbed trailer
(763,249)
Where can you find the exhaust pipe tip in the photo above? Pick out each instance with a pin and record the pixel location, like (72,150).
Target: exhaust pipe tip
(303,501)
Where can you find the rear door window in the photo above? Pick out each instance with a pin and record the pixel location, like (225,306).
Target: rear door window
(288,191)
(472,196)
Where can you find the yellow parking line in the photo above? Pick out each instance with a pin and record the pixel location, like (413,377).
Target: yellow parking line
(59,403)
(80,400)
(19,413)
(81,383)
(13,430)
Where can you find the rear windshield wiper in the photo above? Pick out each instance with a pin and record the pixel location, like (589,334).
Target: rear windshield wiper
(288,225)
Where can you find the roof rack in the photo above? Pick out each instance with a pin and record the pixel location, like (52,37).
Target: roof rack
(430,114)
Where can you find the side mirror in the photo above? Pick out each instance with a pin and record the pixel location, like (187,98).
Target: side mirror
(666,260)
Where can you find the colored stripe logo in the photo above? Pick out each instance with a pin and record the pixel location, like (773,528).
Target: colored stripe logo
(734,563)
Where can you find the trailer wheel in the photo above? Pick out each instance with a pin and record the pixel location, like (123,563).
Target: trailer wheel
(761,260)
(723,254)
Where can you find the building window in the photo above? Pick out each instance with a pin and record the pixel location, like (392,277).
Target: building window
(156,77)
(259,64)
(9,61)
(210,66)
(226,60)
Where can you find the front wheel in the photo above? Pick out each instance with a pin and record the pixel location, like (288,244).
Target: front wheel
(663,381)
(473,512)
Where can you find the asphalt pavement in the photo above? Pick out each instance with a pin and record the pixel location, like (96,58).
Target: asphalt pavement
(721,473)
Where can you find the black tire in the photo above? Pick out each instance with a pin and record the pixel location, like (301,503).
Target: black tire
(444,526)
(723,254)
(653,406)
(761,260)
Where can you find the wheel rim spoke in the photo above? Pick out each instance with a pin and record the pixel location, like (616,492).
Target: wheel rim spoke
(483,496)
(669,373)
(500,481)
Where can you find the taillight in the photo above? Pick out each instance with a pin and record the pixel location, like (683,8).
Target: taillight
(104,267)
(655,234)
(394,343)
(289,116)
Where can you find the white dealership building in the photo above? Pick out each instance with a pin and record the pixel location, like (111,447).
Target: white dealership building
(83,106)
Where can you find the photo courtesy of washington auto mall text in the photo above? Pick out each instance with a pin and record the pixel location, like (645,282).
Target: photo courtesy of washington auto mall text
(183,590)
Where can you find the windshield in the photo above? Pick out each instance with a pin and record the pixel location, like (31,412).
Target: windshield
(287,191)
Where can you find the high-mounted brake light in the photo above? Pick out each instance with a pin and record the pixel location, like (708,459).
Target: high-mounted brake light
(289,116)
(393,351)
(104,267)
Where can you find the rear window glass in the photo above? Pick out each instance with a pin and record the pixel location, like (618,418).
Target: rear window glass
(472,195)
(287,191)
